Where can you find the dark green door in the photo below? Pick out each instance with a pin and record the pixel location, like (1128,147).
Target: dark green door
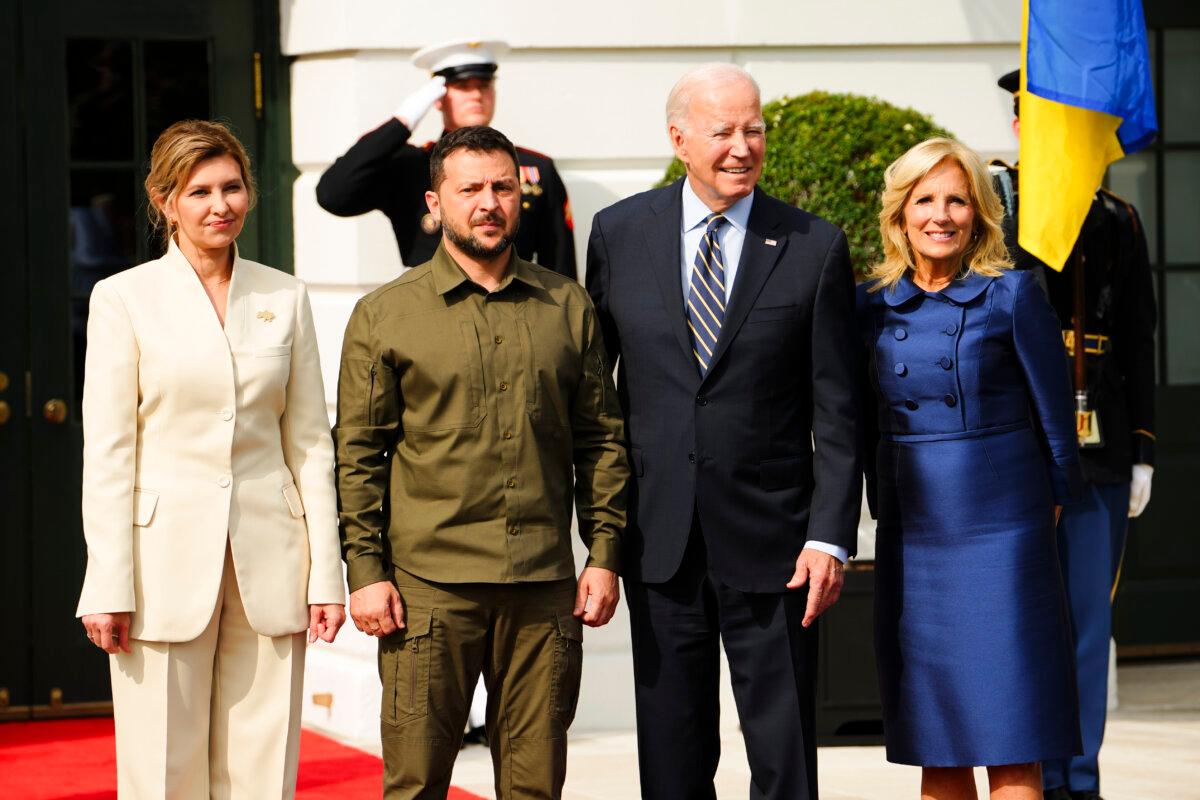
(91,86)
(1160,581)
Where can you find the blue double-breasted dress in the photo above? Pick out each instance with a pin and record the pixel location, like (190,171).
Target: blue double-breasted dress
(975,445)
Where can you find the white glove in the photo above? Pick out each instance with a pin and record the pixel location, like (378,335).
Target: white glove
(417,104)
(1139,489)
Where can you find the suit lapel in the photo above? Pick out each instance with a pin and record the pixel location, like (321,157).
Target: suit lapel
(757,261)
(662,248)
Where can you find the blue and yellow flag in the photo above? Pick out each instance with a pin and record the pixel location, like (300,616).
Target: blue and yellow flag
(1087,99)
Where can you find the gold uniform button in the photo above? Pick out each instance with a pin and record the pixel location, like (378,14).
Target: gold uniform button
(499,340)
(503,386)
(514,530)
(508,434)
(512,482)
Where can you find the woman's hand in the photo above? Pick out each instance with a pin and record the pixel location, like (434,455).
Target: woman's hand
(324,621)
(109,632)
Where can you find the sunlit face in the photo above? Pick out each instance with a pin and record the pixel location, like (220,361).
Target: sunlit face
(939,217)
(478,202)
(722,142)
(210,209)
(471,101)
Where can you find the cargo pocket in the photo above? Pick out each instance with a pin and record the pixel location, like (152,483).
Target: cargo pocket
(404,669)
(144,503)
(568,668)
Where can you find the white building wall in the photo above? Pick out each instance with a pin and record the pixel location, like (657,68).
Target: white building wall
(587,84)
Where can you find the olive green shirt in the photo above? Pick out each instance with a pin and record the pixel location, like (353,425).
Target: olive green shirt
(465,419)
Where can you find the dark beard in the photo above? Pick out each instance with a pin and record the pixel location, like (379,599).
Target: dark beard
(474,248)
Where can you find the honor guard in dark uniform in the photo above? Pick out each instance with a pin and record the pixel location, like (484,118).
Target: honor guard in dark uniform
(382,171)
(1115,303)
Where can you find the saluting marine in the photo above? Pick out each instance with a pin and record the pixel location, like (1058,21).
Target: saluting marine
(382,171)
(1117,448)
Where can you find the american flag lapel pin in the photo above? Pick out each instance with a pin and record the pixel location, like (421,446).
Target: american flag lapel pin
(770,242)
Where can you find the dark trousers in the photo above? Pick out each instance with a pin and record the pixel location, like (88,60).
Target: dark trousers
(677,628)
(1091,539)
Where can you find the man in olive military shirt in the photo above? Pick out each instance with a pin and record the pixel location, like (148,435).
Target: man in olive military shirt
(383,171)
(475,401)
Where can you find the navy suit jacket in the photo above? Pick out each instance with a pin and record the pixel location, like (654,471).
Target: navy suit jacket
(736,447)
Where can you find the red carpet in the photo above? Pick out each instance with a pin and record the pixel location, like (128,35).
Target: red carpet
(75,759)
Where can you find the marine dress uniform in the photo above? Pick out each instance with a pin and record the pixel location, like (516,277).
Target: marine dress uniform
(384,172)
(1119,321)
(975,447)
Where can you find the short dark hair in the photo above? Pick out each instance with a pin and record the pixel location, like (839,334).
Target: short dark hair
(477,139)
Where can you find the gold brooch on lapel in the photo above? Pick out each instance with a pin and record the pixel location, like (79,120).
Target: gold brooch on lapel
(265,316)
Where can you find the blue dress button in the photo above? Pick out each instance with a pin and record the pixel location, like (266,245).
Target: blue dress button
(952,329)
(911,405)
(945,362)
(900,369)
(950,400)
(900,334)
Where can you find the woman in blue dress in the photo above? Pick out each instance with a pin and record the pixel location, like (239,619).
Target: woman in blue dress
(974,456)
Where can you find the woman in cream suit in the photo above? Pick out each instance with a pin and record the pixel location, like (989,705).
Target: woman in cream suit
(208,498)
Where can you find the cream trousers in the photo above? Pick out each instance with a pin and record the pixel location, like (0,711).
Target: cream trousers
(216,717)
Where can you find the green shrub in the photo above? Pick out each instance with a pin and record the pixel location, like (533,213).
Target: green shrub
(826,153)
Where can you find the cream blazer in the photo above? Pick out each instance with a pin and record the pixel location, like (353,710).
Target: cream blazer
(194,434)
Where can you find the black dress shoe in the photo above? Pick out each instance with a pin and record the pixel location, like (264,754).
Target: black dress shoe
(1086,796)
(1058,793)
(479,736)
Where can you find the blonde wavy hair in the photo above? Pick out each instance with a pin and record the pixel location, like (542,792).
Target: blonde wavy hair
(176,153)
(986,254)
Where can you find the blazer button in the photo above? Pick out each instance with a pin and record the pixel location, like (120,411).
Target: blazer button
(945,362)
(226,414)
(691,458)
(701,400)
(900,369)
(900,334)
(223,482)
(952,329)
(911,405)
(950,400)
(514,530)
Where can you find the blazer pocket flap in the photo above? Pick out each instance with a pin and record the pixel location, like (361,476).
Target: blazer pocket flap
(772,312)
(292,496)
(273,351)
(635,458)
(417,622)
(785,473)
(144,503)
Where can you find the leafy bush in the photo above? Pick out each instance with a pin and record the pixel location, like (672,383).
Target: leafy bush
(826,153)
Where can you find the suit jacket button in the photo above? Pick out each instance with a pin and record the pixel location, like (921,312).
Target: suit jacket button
(950,400)
(691,458)
(701,400)
(900,334)
(226,414)
(911,405)
(223,482)
(900,369)
(945,362)
(951,329)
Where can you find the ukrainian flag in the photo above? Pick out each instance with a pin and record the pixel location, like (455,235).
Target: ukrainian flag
(1086,100)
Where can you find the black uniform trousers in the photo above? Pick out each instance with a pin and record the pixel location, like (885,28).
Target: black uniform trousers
(677,628)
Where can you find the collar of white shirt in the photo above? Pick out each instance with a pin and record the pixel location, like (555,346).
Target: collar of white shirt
(694,210)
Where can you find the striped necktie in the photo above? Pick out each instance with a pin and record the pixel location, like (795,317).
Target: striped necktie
(706,295)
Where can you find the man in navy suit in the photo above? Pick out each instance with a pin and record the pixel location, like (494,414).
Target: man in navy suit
(731,317)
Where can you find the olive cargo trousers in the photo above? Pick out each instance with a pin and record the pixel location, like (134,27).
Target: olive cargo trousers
(528,646)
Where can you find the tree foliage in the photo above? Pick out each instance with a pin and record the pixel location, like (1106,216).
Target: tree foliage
(826,153)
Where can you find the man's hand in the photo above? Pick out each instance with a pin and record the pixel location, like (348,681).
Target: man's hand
(324,621)
(376,609)
(417,104)
(597,596)
(824,575)
(109,632)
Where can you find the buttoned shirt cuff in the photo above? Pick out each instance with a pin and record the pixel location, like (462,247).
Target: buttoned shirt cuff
(365,570)
(840,553)
(605,552)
